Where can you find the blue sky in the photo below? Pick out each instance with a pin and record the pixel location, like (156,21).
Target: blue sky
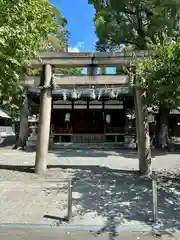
(79,15)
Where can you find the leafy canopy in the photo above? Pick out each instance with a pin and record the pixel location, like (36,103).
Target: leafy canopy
(134,21)
(26,27)
(159,74)
(140,25)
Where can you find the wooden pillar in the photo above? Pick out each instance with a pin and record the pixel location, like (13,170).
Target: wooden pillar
(142,134)
(92,70)
(44,122)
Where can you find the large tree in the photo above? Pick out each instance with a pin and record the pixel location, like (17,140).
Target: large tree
(158,76)
(25,29)
(134,21)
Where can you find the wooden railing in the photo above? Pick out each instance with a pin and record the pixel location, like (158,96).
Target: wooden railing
(114,130)
(88,138)
(67,130)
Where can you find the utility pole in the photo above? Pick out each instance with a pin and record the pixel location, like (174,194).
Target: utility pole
(44,121)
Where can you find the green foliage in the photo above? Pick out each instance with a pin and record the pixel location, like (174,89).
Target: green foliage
(159,74)
(140,25)
(26,27)
(69,71)
(103,71)
(120,71)
(134,21)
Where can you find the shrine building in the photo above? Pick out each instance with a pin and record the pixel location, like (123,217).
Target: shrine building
(88,114)
(88,108)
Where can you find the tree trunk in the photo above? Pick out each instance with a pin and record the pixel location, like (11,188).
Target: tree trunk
(143,139)
(162,133)
(23,129)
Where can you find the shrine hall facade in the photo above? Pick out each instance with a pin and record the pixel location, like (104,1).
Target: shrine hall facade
(92,108)
(89,114)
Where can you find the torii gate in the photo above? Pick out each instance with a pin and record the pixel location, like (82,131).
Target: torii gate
(49,60)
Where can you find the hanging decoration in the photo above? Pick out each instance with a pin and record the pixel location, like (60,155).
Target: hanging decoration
(100,94)
(82,93)
(93,95)
(67,117)
(74,94)
(64,96)
(112,94)
(117,93)
(79,94)
(108,118)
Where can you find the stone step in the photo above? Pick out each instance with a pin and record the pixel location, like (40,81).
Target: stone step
(88,145)
(101,146)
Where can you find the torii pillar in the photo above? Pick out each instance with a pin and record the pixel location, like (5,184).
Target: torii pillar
(44,121)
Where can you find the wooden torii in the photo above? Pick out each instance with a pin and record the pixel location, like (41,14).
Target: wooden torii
(49,60)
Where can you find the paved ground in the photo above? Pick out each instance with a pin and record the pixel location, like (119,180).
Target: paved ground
(29,202)
(46,234)
(119,159)
(104,192)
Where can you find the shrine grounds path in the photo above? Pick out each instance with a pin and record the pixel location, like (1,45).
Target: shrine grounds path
(107,189)
(56,234)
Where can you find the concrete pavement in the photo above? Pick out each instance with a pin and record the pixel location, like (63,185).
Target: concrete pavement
(56,234)
(29,202)
(114,159)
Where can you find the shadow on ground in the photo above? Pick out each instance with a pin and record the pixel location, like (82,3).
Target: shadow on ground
(124,197)
(120,197)
(91,152)
(127,153)
(77,168)
(96,153)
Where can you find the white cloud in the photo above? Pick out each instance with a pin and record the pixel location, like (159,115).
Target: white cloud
(77,47)
(73,49)
(80,45)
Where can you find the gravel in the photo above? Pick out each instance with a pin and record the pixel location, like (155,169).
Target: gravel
(52,174)
(104,192)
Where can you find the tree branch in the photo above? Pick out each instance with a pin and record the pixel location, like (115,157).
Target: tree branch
(128,11)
